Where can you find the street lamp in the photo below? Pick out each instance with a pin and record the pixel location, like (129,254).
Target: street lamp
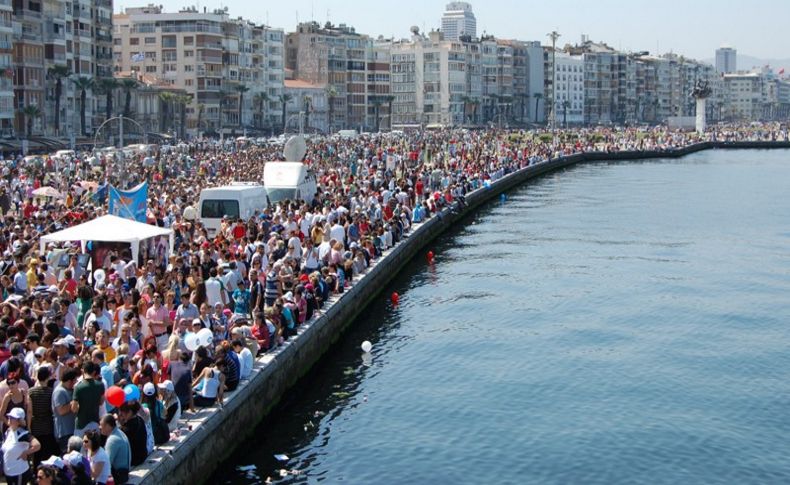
(553,35)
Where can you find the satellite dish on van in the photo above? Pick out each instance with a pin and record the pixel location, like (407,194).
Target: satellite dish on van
(295,148)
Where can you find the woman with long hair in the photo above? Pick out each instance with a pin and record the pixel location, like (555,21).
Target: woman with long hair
(100,461)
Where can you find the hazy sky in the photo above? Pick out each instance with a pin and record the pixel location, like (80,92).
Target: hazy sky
(694,28)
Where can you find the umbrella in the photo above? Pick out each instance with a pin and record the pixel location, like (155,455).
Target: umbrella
(47,192)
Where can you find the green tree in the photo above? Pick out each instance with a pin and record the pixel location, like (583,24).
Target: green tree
(182,102)
(283,99)
(30,112)
(331,94)
(376,101)
(200,109)
(261,99)
(83,84)
(538,97)
(307,107)
(107,86)
(167,100)
(128,85)
(58,73)
(389,99)
(241,89)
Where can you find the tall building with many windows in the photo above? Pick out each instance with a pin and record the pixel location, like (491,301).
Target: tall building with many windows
(459,21)
(726,60)
(230,68)
(354,68)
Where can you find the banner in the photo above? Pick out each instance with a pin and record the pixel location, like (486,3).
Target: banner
(130,204)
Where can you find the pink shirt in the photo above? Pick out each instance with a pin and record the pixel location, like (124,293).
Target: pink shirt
(160,315)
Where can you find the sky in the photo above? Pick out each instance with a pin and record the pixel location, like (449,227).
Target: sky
(693,28)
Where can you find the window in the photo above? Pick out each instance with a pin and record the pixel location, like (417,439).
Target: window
(134,41)
(188,68)
(189,53)
(187,82)
(150,69)
(216,209)
(150,40)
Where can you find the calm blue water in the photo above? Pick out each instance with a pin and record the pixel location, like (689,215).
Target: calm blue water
(612,323)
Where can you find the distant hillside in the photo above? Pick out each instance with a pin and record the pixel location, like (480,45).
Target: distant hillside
(746,63)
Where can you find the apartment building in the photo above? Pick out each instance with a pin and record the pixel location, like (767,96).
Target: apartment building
(226,66)
(7,72)
(354,68)
(569,89)
(307,106)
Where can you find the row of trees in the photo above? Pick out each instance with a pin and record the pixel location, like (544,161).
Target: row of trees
(501,106)
(83,84)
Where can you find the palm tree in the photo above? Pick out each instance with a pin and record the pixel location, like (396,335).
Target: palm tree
(376,101)
(224,97)
(331,93)
(283,99)
(307,106)
(166,98)
(200,109)
(389,99)
(128,84)
(537,97)
(182,102)
(57,73)
(475,103)
(241,89)
(260,99)
(565,105)
(467,102)
(30,112)
(83,83)
(107,85)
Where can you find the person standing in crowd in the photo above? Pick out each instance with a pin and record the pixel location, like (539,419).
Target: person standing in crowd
(64,416)
(133,427)
(18,446)
(88,396)
(42,421)
(100,462)
(118,449)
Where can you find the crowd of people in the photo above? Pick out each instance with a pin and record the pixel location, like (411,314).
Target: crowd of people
(178,331)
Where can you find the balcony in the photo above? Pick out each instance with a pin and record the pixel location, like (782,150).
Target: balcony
(104,37)
(83,33)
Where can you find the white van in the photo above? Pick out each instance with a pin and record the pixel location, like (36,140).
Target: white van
(289,180)
(239,200)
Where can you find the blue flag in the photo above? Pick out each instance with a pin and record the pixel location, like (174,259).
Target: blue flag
(101,193)
(130,204)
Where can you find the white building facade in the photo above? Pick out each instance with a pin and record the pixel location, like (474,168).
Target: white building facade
(459,20)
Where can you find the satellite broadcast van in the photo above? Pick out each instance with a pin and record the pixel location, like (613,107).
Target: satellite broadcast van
(288,181)
(239,200)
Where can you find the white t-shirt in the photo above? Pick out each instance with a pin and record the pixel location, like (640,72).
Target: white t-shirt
(213,292)
(338,233)
(101,457)
(14,444)
(245,363)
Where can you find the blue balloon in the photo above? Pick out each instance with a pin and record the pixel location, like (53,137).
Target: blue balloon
(503,197)
(132,392)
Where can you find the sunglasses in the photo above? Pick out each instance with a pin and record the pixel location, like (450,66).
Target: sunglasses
(12,383)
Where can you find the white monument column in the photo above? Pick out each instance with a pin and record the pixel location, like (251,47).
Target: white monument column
(702,105)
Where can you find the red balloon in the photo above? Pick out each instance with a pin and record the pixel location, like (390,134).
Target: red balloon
(430,256)
(394,298)
(115,396)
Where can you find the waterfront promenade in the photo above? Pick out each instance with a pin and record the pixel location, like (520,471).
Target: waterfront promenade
(278,370)
(283,284)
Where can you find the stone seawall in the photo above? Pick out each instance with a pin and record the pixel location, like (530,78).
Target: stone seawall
(192,458)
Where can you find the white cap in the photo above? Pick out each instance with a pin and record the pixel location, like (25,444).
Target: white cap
(54,461)
(73,458)
(148,389)
(16,413)
(167,386)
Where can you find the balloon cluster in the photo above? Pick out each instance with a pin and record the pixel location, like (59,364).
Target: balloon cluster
(201,339)
(117,395)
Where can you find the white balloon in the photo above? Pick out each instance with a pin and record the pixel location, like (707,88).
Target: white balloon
(205,337)
(367,346)
(99,275)
(191,341)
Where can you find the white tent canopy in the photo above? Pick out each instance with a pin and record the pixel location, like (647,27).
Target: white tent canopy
(110,228)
